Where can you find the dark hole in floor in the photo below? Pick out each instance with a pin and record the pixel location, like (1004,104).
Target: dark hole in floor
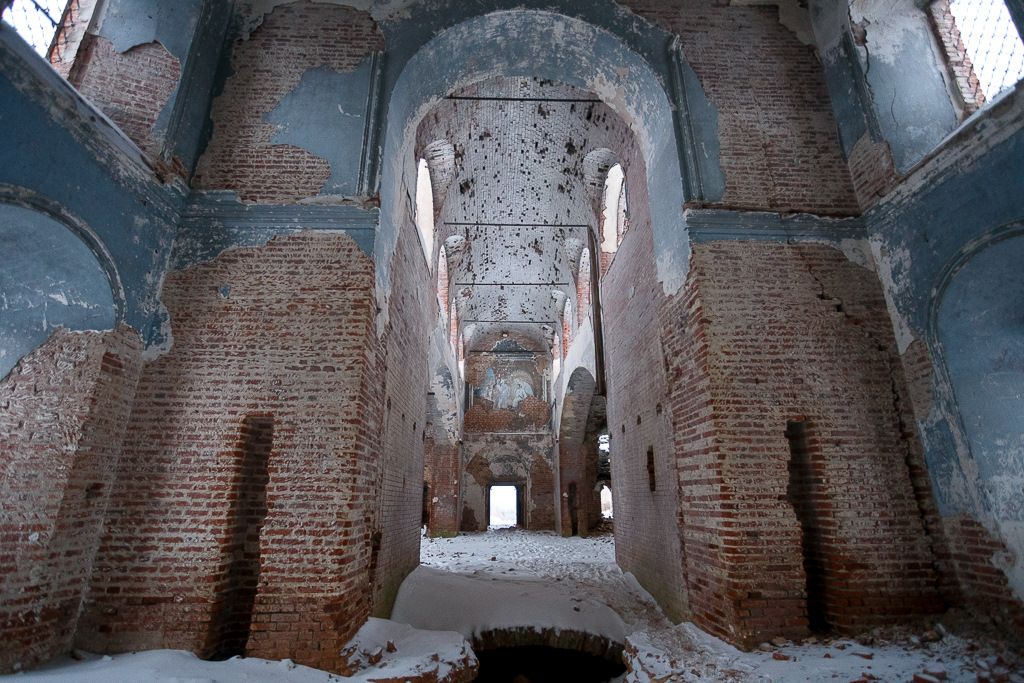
(538,664)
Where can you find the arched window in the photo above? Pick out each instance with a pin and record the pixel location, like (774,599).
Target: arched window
(614,209)
(425,210)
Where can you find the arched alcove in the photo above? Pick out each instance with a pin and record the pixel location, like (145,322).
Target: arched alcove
(978,320)
(51,279)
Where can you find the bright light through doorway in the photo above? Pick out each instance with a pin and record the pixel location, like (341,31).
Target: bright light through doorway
(503,506)
(606,502)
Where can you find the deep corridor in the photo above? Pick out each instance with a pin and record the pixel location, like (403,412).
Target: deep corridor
(284,282)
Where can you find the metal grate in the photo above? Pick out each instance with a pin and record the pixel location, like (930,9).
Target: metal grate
(992,42)
(37,21)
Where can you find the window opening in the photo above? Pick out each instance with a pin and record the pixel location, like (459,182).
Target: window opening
(606,501)
(583,295)
(801,495)
(37,22)
(990,42)
(442,282)
(651,480)
(425,210)
(613,191)
(504,508)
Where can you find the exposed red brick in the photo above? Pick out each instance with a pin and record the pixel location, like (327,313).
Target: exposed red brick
(63,411)
(130,87)
(292,39)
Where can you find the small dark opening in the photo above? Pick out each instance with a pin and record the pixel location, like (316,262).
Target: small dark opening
(425,513)
(574,516)
(801,495)
(651,480)
(539,664)
(247,513)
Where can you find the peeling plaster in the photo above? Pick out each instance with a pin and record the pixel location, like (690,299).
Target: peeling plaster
(905,75)
(793,15)
(893,265)
(321,116)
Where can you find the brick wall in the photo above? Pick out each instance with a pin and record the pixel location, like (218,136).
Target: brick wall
(292,39)
(63,411)
(957,60)
(871,167)
(639,417)
(808,340)
(404,371)
(129,87)
(577,457)
(779,145)
(275,343)
(521,459)
(977,556)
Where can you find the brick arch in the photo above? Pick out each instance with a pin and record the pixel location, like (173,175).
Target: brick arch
(575,491)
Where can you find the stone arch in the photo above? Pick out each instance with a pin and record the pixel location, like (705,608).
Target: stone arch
(442,455)
(548,45)
(577,494)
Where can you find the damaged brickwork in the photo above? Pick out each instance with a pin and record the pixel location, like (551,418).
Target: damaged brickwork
(63,411)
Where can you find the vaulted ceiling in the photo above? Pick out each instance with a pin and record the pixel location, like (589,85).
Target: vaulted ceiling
(517,168)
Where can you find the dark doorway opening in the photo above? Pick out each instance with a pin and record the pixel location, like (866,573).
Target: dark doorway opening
(248,512)
(540,664)
(801,494)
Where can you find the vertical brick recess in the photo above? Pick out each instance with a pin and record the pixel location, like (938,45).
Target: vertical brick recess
(292,39)
(63,411)
(130,87)
(285,333)
(811,342)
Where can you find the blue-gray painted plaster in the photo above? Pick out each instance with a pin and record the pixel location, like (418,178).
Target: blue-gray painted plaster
(911,102)
(967,195)
(127,23)
(892,87)
(214,222)
(980,326)
(843,76)
(62,156)
(326,115)
(50,279)
(707,225)
(194,32)
(546,45)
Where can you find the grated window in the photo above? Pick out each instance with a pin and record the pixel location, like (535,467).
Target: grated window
(991,42)
(37,22)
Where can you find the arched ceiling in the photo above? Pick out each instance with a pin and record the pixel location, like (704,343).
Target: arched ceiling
(517,193)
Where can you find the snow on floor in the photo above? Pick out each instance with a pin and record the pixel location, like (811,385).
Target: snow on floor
(510,577)
(382,649)
(537,574)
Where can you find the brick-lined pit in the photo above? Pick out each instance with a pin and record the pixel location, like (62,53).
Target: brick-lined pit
(292,39)
(63,411)
(279,335)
